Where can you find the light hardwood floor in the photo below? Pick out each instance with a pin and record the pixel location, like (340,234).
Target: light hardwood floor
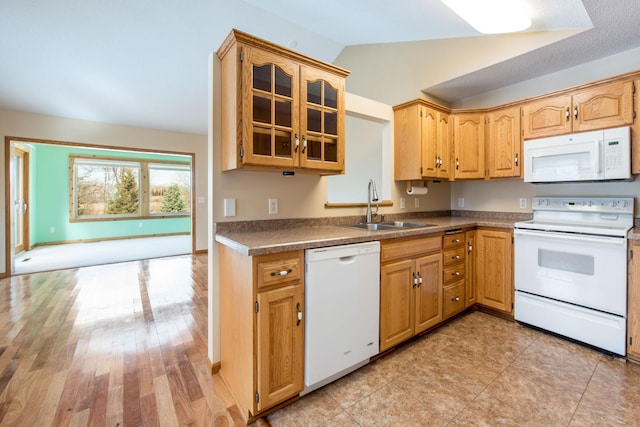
(113,345)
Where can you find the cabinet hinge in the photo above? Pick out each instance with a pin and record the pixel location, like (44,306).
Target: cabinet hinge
(633,88)
(241,152)
(631,254)
(241,55)
(257,397)
(630,341)
(512,240)
(257,307)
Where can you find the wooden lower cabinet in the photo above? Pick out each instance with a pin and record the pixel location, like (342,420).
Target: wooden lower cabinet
(410,288)
(633,312)
(454,275)
(471,294)
(494,269)
(261,328)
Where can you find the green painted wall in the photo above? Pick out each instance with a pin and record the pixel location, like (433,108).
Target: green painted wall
(49,193)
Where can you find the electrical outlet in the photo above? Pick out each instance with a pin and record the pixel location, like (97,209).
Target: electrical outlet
(139,225)
(416,202)
(273,206)
(52,229)
(523,203)
(461,202)
(402,203)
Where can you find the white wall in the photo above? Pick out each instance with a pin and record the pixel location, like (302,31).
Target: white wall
(37,126)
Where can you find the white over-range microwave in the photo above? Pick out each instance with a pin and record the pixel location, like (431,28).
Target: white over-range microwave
(586,156)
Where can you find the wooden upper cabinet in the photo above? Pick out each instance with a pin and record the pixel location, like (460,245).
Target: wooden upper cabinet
(546,117)
(609,105)
(445,145)
(280,110)
(504,143)
(468,140)
(603,106)
(407,130)
(422,142)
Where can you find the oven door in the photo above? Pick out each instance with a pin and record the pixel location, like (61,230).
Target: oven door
(590,271)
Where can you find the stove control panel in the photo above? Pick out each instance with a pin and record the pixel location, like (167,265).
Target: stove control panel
(622,205)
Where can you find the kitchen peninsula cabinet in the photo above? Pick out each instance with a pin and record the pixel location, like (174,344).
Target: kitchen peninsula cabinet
(494,269)
(280,110)
(633,311)
(261,327)
(410,288)
(503,145)
(422,141)
(597,107)
(469,141)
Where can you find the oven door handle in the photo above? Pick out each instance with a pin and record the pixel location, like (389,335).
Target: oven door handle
(567,236)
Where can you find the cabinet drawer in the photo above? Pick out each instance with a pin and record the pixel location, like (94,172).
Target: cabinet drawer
(453,256)
(405,248)
(276,269)
(452,240)
(453,299)
(453,273)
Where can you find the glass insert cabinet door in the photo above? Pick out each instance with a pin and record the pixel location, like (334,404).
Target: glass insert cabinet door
(270,108)
(321,120)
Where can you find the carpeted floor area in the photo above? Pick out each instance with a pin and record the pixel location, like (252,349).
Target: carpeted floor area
(56,257)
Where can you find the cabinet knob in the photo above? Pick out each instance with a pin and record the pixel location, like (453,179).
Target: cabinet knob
(567,114)
(297,142)
(455,257)
(304,144)
(455,273)
(299,314)
(516,159)
(575,112)
(455,299)
(455,241)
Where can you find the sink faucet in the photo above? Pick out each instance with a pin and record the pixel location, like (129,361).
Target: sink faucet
(372,196)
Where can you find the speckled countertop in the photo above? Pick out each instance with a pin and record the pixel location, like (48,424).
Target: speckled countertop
(259,241)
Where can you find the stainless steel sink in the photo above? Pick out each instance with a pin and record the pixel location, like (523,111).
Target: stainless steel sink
(374,226)
(389,225)
(404,224)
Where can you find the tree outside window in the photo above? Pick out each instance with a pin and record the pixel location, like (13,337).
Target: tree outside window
(170,188)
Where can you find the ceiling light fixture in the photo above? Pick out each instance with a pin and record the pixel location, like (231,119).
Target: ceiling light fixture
(492,16)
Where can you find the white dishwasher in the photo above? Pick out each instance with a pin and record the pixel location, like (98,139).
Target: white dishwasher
(342,310)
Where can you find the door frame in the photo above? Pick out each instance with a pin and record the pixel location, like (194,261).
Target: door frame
(9,145)
(24,171)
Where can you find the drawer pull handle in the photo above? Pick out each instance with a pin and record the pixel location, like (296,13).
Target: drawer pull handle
(455,273)
(281,273)
(455,257)
(455,299)
(419,279)
(299,314)
(455,241)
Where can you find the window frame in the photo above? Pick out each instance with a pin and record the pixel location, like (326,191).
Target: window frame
(143,186)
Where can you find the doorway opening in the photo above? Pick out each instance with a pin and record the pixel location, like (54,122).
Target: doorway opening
(86,204)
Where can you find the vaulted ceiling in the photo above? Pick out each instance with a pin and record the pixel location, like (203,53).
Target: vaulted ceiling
(144,63)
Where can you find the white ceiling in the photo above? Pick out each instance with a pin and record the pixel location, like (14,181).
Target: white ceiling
(144,62)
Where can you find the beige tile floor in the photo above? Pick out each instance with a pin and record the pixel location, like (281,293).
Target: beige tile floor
(478,370)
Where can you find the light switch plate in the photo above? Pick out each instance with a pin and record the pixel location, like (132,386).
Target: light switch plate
(461,202)
(229,207)
(523,203)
